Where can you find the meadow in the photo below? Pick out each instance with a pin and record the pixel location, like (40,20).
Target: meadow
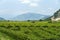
(29,30)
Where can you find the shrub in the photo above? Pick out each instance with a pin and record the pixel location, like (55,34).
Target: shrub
(45,26)
(40,20)
(31,26)
(2,26)
(26,32)
(24,26)
(28,20)
(37,26)
(50,21)
(33,21)
(54,26)
(16,28)
(9,26)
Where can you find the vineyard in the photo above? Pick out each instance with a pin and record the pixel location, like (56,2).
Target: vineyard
(29,30)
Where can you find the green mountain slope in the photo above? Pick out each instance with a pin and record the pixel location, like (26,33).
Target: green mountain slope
(4,37)
(30,31)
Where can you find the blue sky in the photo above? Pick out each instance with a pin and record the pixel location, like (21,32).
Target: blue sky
(12,8)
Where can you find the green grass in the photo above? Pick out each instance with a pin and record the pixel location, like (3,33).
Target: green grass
(5,37)
(29,30)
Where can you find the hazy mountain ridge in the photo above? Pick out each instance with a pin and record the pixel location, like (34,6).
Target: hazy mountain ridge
(30,16)
(2,18)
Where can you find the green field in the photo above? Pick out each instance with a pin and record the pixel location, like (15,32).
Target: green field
(29,30)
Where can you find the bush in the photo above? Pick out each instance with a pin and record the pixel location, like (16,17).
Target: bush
(28,20)
(40,20)
(37,26)
(45,26)
(26,32)
(9,26)
(50,21)
(2,26)
(31,26)
(33,21)
(16,28)
(24,26)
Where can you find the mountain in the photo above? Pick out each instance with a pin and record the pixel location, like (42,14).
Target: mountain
(2,18)
(55,16)
(30,16)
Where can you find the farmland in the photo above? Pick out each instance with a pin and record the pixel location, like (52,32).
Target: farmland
(25,30)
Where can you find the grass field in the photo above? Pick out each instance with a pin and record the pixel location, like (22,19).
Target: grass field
(29,30)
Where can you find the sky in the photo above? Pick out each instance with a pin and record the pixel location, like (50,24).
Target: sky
(12,8)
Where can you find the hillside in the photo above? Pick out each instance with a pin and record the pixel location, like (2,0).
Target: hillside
(30,16)
(2,18)
(29,31)
(55,16)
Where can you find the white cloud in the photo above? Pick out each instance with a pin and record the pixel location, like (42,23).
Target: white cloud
(32,3)
(36,0)
(25,1)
